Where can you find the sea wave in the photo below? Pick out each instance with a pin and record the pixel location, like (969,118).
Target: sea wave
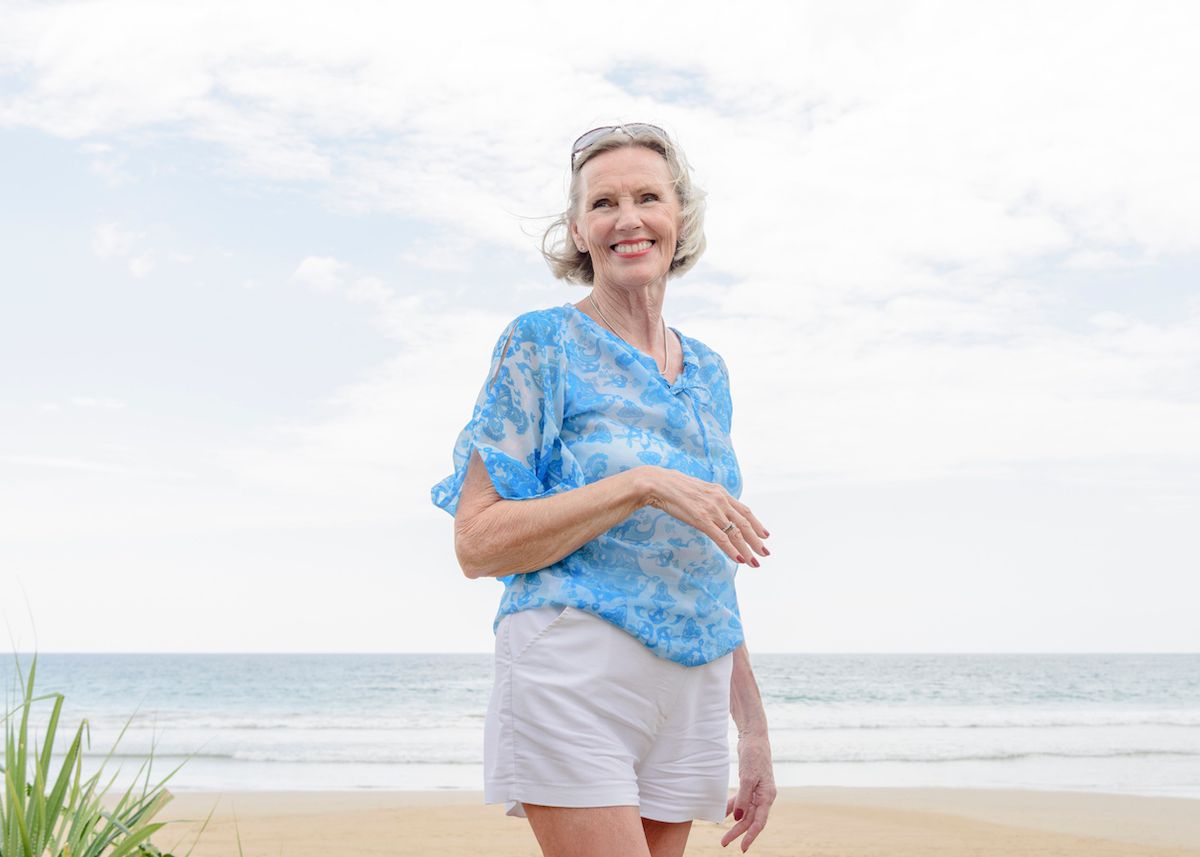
(780,717)
(393,756)
(825,718)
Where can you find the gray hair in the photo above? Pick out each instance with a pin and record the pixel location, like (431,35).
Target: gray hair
(559,250)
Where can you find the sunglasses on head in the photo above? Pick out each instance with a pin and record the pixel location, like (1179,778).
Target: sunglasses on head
(586,139)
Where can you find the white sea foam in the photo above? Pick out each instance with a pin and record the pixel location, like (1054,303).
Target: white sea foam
(1106,722)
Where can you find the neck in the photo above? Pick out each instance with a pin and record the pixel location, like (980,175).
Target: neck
(636,315)
(640,324)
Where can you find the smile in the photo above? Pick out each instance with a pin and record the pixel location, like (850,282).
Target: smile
(633,248)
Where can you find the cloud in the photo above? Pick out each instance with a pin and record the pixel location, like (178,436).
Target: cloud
(946,242)
(97,467)
(951,135)
(110,239)
(321,273)
(94,402)
(896,193)
(329,275)
(141,265)
(107,164)
(447,253)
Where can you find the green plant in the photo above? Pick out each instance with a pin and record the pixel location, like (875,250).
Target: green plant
(70,820)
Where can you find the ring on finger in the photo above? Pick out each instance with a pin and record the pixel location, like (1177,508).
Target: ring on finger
(730,527)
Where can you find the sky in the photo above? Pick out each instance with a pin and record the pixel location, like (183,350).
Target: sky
(255,258)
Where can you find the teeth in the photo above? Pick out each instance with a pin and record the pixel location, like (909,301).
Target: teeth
(634,248)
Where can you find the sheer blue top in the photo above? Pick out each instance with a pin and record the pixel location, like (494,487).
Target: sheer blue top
(567,402)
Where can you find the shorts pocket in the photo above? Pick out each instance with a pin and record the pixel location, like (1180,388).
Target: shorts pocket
(533,626)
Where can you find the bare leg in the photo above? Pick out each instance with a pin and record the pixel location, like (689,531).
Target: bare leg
(593,831)
(666,838)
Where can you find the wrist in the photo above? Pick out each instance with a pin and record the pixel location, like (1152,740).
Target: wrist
(756,730)
(646,486)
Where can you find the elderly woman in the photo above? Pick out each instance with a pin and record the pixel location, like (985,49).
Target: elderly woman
(597,481)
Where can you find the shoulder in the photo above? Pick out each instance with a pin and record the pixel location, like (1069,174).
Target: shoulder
(708,357)
(542,324)
(534,336)
(536,326)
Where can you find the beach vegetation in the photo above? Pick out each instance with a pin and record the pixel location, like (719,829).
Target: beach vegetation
(50,809)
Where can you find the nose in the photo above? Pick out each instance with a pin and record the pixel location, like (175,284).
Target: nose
(627,216)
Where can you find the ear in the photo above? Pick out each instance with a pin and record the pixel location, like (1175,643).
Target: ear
(577,238)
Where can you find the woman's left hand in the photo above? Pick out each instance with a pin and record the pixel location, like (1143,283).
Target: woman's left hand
(756,790)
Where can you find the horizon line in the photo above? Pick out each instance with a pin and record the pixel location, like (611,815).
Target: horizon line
(489,653)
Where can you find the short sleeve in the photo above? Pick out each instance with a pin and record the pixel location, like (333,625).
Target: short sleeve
(723,399)
(517,417)
(726,467)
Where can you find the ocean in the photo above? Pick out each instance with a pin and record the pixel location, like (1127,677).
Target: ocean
(1119,723)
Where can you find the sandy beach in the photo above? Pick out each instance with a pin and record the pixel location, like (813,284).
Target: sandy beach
(817,821)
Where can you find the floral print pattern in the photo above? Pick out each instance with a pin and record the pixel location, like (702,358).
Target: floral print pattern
(566,403)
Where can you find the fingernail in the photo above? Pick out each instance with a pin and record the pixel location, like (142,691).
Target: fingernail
(754,562)
(737,815)
(739,558)
(765,551)
(765,533)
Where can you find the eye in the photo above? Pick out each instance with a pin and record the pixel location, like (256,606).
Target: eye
(599,202)
(650,196)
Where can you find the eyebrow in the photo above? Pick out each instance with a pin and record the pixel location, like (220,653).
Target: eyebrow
(605,190)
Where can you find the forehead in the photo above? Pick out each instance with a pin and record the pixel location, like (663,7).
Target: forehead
(624,167)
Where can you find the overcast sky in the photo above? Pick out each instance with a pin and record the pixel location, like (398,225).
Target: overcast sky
(255,260)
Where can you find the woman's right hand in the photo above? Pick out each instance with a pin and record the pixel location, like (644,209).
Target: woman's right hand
(709,508)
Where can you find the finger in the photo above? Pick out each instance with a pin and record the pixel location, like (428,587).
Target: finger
(729,805)
(733,539)
(759,529)
(735,831)
(739,828)
(714,532)
(744,801)
(738,535)
(756,827)
(751,530)
(742,809)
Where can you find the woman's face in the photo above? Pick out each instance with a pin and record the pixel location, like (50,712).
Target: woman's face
(629,216)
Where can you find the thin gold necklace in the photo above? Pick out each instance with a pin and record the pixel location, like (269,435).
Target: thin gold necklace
(614,330)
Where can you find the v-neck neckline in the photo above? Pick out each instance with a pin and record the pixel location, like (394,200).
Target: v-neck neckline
(689,356)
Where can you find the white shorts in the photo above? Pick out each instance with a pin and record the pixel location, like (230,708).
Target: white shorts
(583,714)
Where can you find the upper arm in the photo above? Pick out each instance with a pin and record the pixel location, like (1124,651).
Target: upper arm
(478,493)
(510,449)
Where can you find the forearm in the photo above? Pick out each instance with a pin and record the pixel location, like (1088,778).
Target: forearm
(518,536)
(745,702)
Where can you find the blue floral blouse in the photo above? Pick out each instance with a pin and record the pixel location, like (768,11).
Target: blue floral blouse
(569,402)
